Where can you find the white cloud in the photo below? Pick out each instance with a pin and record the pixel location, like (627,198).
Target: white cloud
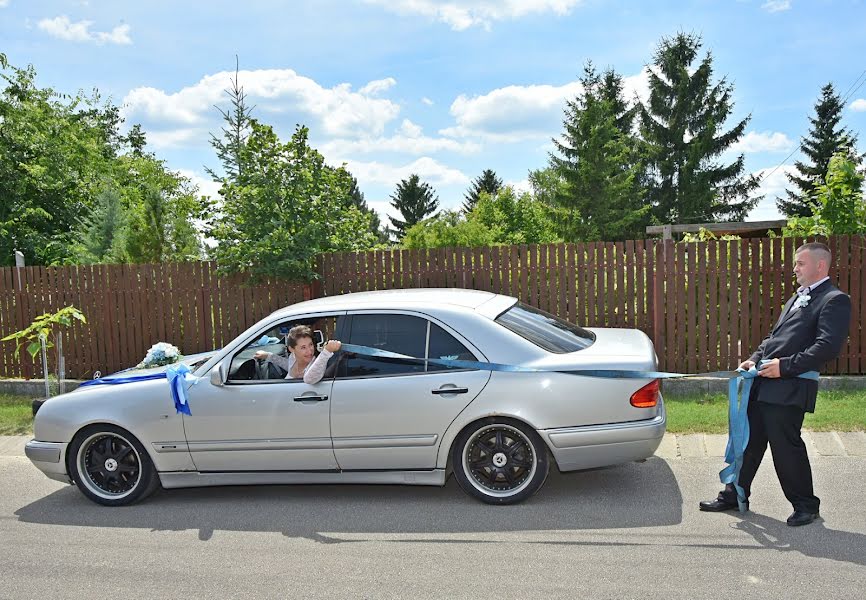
(427,101)
(774,6)
(774,183)
(206,185)
(463,14)
(62,28)
(515,113)
(4,3)
(409,139)
(430,171)
(766,141)
(859,105)
(519,186)
(378,86)
(336,111)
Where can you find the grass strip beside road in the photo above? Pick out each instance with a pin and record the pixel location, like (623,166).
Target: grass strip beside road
(837,410)
(16,415)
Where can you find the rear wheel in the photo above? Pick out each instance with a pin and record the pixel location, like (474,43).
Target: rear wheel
(110,466)
(499,461)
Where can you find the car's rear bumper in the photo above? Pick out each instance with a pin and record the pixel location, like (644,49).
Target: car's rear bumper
(48,457)
(604,445)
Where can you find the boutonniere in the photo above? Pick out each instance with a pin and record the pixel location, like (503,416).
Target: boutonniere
(802,301)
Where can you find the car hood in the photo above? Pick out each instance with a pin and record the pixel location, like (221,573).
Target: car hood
(189,360)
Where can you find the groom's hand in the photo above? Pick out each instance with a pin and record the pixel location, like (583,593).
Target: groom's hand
(746,365)
(770,369)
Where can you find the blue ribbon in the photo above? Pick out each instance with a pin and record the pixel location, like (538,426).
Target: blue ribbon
(739,387)
(176,375)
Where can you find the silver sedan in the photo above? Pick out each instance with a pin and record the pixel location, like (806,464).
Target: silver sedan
(370,419)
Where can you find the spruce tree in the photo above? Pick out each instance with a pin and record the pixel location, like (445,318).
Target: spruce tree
(597,162)
(826,138)
(486,182)
(683,129)
(234,133)
(415,200)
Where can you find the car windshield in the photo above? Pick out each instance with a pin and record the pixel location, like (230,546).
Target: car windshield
(545,330)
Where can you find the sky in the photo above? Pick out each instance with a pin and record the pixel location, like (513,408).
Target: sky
(444,89)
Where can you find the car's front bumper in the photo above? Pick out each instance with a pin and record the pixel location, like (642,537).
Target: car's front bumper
(604,445)
(48,457)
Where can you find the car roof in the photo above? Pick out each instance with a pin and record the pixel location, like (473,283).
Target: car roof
(493,304)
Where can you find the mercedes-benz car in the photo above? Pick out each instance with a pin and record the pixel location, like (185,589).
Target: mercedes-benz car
(371,419)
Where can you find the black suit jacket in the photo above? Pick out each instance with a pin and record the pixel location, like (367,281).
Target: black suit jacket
(803,340)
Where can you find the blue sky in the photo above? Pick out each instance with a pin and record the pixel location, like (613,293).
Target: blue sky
(442,88)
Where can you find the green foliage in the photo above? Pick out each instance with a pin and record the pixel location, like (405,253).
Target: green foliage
(486,182)
(42,328)
(838,205)
(505,218)
(598,165)
(682,126)
(55,152)
(63,166)
(705,235)
(826,138)
(284,207)
(415,200)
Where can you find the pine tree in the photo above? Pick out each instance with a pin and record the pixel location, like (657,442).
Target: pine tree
(234,133)
(682,126)
(486,182)
(826,138)
(597,162)
(415,200)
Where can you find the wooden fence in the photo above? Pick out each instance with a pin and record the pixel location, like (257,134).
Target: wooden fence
(131,307)
(706,305)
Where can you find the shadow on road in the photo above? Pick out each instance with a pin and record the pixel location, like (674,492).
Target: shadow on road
(813,540)
(632,495)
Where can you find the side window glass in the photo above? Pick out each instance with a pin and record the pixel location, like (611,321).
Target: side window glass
(445,346)
(403,334)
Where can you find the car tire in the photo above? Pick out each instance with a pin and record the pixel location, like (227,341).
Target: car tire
(110,466)
(499,461)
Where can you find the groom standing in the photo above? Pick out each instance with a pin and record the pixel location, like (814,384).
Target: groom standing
(809,333)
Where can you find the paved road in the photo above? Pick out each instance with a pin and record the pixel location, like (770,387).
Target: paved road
(626,532)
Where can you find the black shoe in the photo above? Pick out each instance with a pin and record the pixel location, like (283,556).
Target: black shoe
(719,505)
(799,517)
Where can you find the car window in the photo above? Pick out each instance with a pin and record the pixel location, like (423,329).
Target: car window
(545,330)
(403,334)
(246,368)
(445,346)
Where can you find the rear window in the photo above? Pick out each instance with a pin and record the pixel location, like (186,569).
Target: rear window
(545,330)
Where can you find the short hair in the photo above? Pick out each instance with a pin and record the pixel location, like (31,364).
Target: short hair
(819,248)
(297,333)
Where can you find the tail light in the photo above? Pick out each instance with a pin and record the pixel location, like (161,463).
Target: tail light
(647,396)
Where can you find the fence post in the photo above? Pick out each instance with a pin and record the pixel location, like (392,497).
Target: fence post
(658,316)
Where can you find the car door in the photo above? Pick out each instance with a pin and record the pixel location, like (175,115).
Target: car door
(250,424)
(391,414)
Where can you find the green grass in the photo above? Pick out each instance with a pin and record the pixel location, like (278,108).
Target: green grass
(16,415)
(839,410)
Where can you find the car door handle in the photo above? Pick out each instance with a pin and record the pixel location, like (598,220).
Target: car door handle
(454,390)
(310,398)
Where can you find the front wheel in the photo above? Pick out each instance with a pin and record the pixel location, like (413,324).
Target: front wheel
(499,461)
(110,466)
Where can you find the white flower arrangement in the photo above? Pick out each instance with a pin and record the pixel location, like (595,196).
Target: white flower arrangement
(160,354)
(802,301)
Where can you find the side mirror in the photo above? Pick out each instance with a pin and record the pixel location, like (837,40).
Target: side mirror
(218,375)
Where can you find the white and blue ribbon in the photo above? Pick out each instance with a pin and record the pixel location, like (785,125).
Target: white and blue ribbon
(739,387)
(178,375)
